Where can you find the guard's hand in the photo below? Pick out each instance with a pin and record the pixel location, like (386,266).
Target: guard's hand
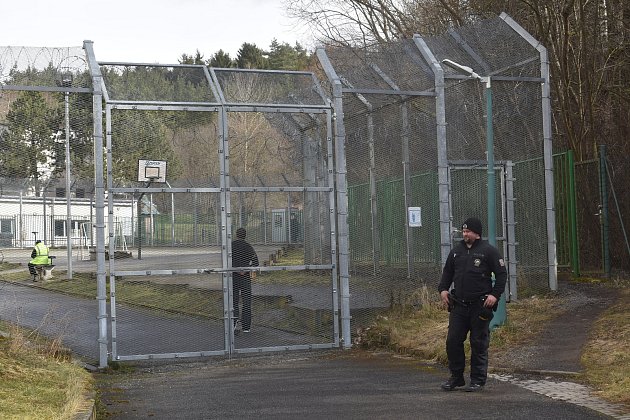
(444,297)
(490,301)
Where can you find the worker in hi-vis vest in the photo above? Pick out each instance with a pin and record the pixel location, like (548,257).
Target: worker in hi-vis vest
(39,256)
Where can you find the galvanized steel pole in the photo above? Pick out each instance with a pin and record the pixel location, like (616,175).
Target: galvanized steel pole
(68,185)
(99,193)
(492,198)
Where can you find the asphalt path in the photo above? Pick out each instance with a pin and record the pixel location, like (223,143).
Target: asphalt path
(52,315)
(139,331)
(316,385)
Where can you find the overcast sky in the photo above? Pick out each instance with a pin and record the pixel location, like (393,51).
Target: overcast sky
(148,31)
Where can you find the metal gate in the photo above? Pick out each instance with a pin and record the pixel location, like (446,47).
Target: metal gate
(256,141)
(468,198)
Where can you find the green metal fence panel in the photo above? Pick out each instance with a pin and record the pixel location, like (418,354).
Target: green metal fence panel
(562,189)
(391,208)
(360,225)
(566,219)
(427,237)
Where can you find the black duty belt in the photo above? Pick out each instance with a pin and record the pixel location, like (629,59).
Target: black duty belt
(462,301)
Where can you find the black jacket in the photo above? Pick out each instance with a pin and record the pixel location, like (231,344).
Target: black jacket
(470,270)
(243,254)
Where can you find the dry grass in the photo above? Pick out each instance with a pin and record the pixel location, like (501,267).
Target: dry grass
(37,379)
(417,326)
(422,331)
(607,355)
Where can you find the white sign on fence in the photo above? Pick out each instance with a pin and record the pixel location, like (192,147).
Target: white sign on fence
(415,216)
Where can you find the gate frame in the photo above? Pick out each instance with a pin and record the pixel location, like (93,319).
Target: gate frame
(337,210)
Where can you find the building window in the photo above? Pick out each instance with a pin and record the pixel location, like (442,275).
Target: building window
(79,193)
(6,225)
(60,228)
(60,192)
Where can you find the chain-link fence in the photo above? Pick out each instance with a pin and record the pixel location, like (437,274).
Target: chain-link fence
(351,192)
(46,158)
(416,145)
(242,149)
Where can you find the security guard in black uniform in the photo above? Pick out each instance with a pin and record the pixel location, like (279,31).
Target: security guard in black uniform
(471,303)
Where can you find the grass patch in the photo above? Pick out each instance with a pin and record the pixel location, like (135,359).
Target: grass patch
(293,256)
(294,278)
(37,378)
(416,326)
(163,297)
(8,266)
(607,355)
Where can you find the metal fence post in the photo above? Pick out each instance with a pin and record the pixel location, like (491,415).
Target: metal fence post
(575,254)
(342,197)
(442,155)
(99,193)
(604,216)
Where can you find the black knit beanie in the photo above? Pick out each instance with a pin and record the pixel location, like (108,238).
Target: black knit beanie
(474,224)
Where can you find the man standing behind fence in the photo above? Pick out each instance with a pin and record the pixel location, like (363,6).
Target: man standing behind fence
(243,255)
(469,267)
(39,256)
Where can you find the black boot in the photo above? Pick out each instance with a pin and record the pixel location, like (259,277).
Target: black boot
(453,382)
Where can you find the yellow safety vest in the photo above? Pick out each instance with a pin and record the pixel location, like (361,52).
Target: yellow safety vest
(41,257)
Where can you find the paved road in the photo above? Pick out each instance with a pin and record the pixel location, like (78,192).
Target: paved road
(316,385)
(139,331)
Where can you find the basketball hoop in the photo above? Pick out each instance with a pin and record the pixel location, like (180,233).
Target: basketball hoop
(151,170)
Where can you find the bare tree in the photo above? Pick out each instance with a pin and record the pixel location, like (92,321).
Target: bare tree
(587,41)
(589,53)
(363,22)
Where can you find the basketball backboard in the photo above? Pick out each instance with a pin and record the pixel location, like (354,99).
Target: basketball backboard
(151,170)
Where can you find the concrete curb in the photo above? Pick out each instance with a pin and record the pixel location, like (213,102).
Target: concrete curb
(520,371)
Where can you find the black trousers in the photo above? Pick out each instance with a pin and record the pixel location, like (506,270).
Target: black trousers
(242,288)
(464,319)
(31,269)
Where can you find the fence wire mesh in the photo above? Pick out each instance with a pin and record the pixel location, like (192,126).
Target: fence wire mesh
(392,153)
(257,149)
(493,48)
(45,91)
(250,167)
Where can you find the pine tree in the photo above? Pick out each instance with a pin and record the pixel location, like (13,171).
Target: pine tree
(251,57)
(27,145)
(221,59)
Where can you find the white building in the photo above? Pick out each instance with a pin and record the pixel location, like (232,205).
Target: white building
(24,219)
